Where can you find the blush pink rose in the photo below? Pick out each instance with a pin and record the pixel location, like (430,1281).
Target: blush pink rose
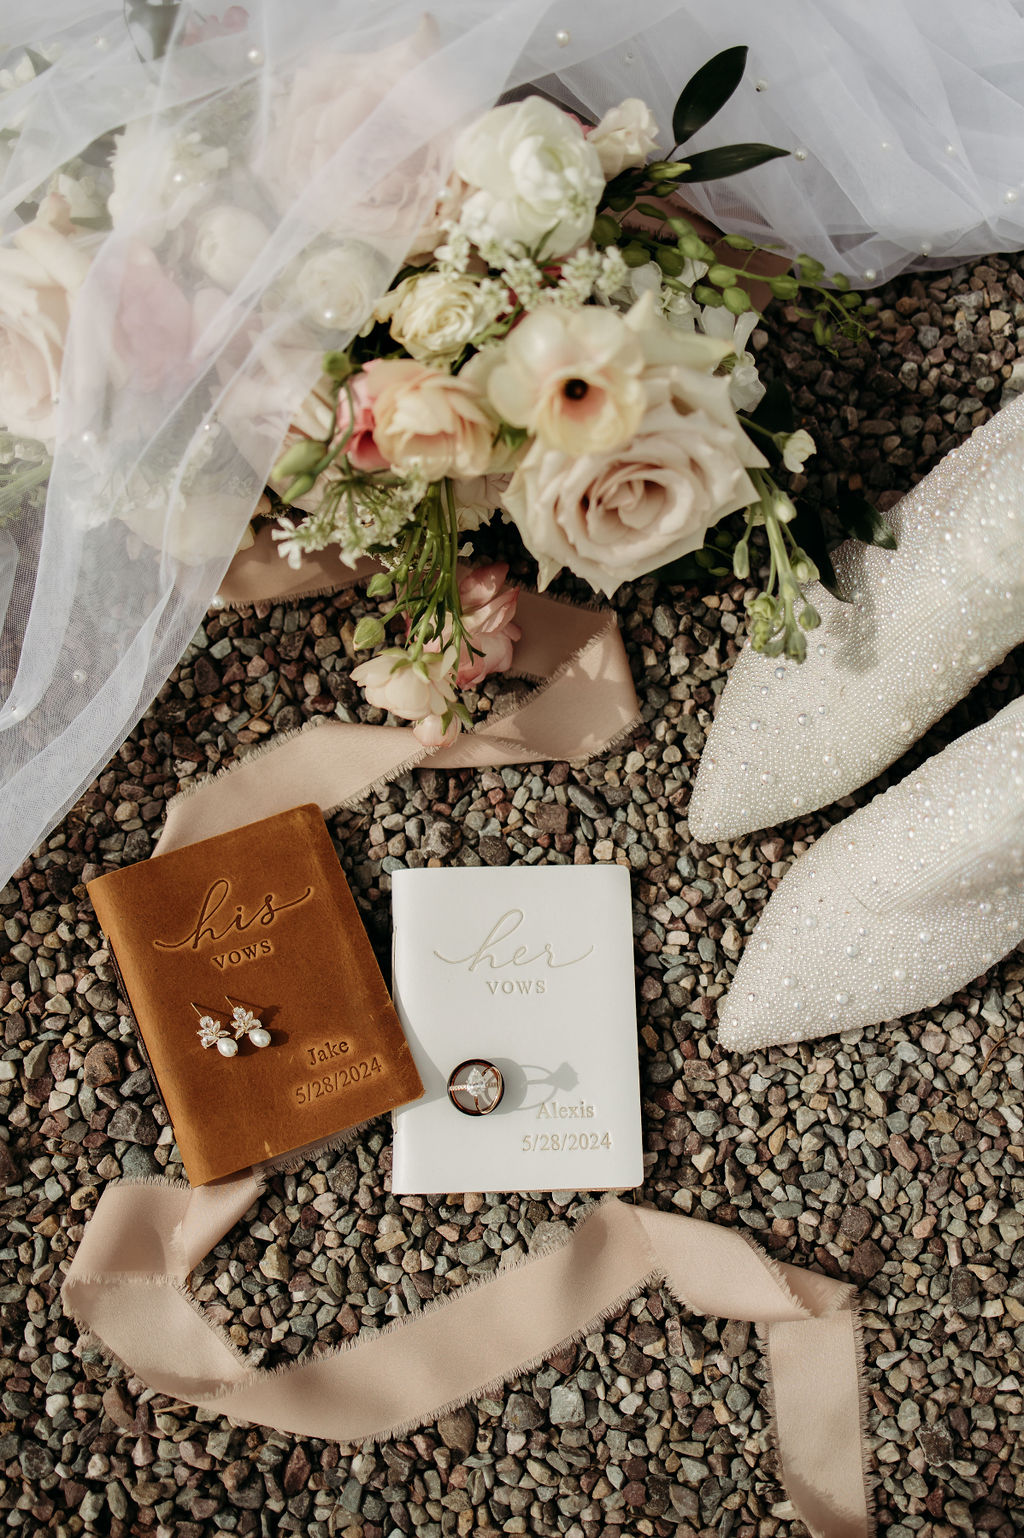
(421,691)
(41,271)
(424,417)
(153,326)
(488,614)
(361,449)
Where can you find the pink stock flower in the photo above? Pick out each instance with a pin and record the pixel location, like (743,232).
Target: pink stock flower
(488,614)
(361,448)
(488,617)
(153,327)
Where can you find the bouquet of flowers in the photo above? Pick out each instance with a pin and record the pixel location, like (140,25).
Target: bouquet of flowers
(562,347)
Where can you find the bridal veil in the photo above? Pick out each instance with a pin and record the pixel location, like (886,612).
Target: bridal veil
(276,160)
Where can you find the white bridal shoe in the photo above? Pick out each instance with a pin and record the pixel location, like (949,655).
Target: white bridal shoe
(897,907)
(927,620)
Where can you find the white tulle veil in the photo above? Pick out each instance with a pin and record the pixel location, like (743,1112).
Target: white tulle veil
(303,125)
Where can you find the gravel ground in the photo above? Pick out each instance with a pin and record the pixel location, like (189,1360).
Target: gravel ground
(890,1156)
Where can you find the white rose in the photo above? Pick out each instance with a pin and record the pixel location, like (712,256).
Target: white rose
(573,377)
(612,517)
(533,176)
(227,242)
(40,274)
(433,316)
(626,136)
(339,285)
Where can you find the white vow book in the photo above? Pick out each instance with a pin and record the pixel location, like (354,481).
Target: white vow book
(530,969)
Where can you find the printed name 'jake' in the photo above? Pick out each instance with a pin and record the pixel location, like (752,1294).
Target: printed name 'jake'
(554,1110)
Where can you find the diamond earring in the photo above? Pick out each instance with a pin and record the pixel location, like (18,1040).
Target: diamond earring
(246,1023)
(213,1033)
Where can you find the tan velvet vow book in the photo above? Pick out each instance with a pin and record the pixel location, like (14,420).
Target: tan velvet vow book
(262,914)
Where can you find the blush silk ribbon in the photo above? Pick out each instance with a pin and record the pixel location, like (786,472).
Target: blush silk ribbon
(128,1286)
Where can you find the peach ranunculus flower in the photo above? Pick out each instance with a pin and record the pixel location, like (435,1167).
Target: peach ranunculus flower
(488,617)
(40,274)
(428,420)
(612,517)
(573,377)
(421,691)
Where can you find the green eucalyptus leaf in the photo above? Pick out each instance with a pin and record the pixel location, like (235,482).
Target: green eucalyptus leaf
(861,521)
(729,160)
(738,243)
(707,92)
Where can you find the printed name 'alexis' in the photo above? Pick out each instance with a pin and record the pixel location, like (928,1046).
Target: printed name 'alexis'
(553,1110)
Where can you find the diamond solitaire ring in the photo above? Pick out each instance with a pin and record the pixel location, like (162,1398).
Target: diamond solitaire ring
(475,1087)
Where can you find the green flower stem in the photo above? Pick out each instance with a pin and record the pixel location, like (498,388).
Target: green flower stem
(780,614)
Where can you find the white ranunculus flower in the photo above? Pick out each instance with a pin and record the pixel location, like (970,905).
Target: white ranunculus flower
(159,179)
(532,175)
(573,377)
(612,517)
(433,315)
(626,136)
(339,285)
(798,447)
(227,241)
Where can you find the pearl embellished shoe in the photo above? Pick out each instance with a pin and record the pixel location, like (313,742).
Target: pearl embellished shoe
(897,907)
(927,620)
